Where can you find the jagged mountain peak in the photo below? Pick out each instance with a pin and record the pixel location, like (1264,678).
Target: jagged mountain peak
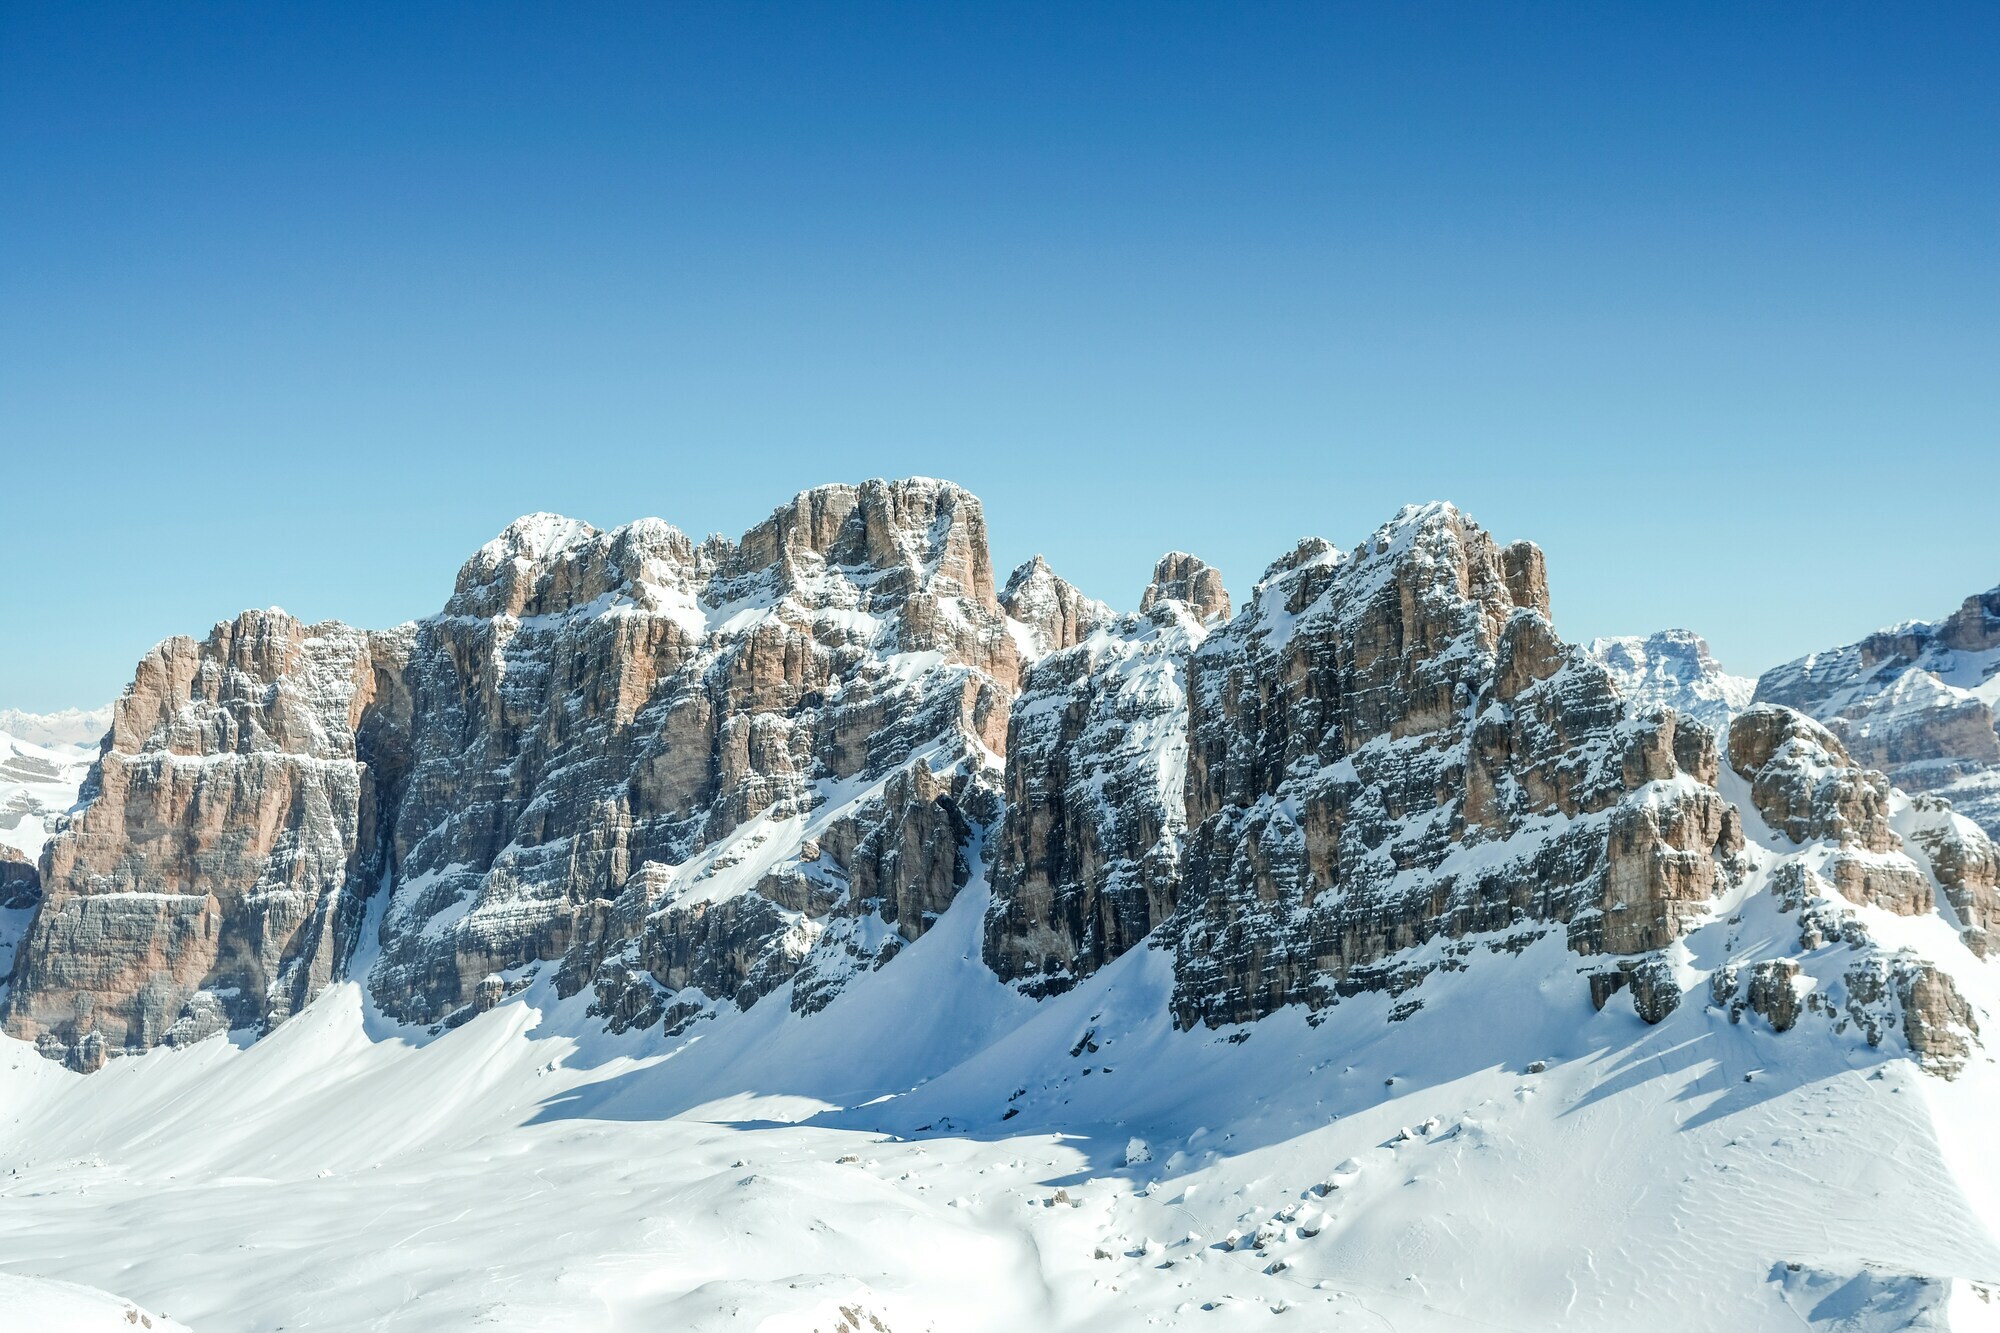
(1424,540)
(680,779)
(879,522)
(535,537)
(1307,551)
(1049,611)
(895,534)
(1974,628)
(1673,668)
(545,564)
(1180,577)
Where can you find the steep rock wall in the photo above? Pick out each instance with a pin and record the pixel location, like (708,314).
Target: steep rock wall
(1393,747)
(1088,859)
(217,875)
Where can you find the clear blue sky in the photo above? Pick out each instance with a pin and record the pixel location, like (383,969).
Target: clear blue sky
(301,303)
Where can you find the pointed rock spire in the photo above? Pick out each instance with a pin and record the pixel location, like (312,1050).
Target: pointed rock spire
(1185,578)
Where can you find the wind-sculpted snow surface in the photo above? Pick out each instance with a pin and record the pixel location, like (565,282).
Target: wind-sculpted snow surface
(1917,701)
(1504,1158)
(65,1307)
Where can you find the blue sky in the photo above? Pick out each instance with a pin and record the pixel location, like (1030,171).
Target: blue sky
(299,304)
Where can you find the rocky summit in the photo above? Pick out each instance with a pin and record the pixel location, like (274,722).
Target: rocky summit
(677,778)
(1674,669)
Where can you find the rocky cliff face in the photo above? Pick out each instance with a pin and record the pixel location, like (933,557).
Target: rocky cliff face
(608,722)
(678,778)
(215,878)
(1916,701)
(560,766)
(1048,611)
(1844,838)
(1393,748)
(1180,577)
(1807,787)
(1674,669)
(1088,858)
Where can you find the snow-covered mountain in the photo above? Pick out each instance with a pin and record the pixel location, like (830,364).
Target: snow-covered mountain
(1673,669)
(1916,700)
(38,783)
(800,932)
(71,728)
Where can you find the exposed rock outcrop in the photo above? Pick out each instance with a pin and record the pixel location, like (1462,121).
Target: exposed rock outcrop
(601,740)
(1842,845)
(217,875)
(20,882)
(1804,782)
(594,704)
(1901,994)
(680,776)
(1806,786)
(1180,577)
(1916,701)
(1053,614)
(1938,1024)
(1088,860)
(1774,992)
(1395,747)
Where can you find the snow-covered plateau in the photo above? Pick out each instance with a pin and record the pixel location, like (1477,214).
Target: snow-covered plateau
(809,932)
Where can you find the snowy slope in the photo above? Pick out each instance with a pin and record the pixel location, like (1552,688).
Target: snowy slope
(37,782)
(993,1163)
(64,1307)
